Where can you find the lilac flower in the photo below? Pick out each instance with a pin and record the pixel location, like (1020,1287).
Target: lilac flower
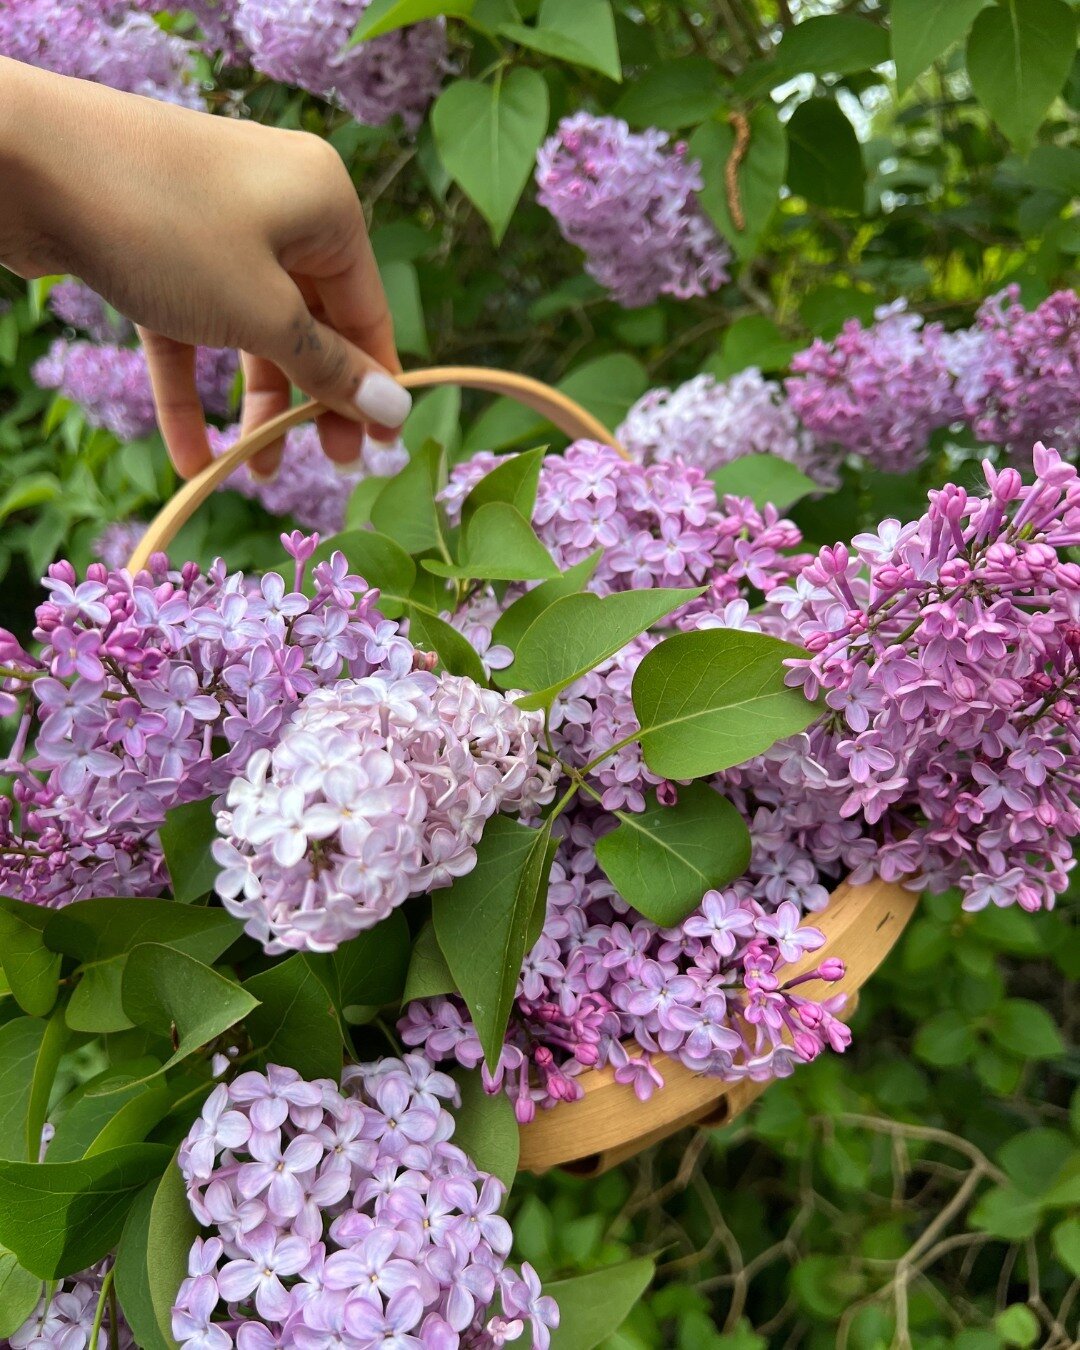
(83,308)
(64,1316)
(629,202)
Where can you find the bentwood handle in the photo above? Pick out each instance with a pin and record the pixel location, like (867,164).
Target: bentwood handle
(570,418)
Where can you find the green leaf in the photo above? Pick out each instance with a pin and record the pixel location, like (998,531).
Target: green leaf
(1018,1325)
(1034,1160)
(98,930)
(434,417)
(59,1218)
(295,1023)
(172,1230)
(402,288)
(488,136)
(368,969)
(101,1120)
(825,163)
(753,340)
(500,545)
(30,968)
(405,508)
(21,1043)
(662,860)
(514,481)
(428,975)
(760,175)
(763,478)
(577,632)
(1065,1237)
(1027,1030)
(186,836)
(19,1293)
(922,30)
(484,920)
(945,1039)
(832,44)
(32,490)
(594,1306)
(379,560)
(132,1277)
(174,995)
(42,1078)
(1019,54)
(715,698)
(96,1004)
(513,622)
(457,654)
(672,94)
(579,31)
(485,1128)
(384,16)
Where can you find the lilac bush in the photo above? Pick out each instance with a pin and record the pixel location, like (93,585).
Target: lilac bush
(346,1216)
(628,202)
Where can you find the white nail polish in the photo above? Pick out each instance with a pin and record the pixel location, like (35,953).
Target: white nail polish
(382,399)
(264,479)
(349,468)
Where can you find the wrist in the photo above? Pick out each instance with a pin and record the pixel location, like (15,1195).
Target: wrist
(25,134)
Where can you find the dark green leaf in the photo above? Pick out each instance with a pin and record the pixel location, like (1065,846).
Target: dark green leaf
(825,163)
(59,1218)
(763,478)
(20,1049)
(1027,1030)
(384,16)
(1034,1160)
(922,30)
(753,340)
(405,509)
(295,1023)
(457,654)
(760,175)
(592,1307)
(186,836)
(172,1230)
(379,560)
(174,995)
(662,860)
(945,1039)
(672,94)
(715,698)
(483,922)
(514,481)
(500,545)
(488,136)
(96,1004)
(132,1279)
(579,31)
(114,1108)
(402,288)
(428,975)
(42,1077)
(832,44)
(370,968)
(19,1293)
(1065,1237)
(98,930)
(485,1127)
(31,970)
(517,618)
(1019,54)
(577,632)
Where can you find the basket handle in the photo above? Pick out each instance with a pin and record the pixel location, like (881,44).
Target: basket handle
(570,418)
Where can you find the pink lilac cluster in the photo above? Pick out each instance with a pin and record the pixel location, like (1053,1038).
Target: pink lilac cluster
(306,43)
(708,422)
(377,789)
(1018,371)
(155,690)
(878,391)
(64,1317)
(347,1217)
(112,383)
(308,487)
(107,41)
(78,305)
(948,653)
(628,201)
(117,542)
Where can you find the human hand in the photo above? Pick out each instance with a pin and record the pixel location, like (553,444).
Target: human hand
(205,231)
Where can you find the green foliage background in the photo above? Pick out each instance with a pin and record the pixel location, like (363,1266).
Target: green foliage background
(924,1190)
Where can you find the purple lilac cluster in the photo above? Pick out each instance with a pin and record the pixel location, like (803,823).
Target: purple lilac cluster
(308,487)
(214,17)
(78,305)
(305,43)
(107,41)
(64,1317)
(154,690)
(628,200)
(377,789)
(117,542)
(1018,371)
(112,383)
(879,391)
(708,422)
(347,1217)
(948,653)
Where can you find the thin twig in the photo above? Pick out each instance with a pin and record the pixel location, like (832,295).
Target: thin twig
(731,169)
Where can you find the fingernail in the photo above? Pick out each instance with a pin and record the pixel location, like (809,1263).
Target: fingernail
(382,399)
(263,479)
(350,466)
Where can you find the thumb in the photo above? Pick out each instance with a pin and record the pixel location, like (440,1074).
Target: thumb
(328,367)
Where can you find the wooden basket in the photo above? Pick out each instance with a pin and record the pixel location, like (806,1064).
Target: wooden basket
(609,1124)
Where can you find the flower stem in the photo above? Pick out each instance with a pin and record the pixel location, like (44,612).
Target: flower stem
(99,1312)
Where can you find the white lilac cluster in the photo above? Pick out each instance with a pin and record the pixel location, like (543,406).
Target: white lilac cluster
(377,789)
(306,43)
(628,200)
(107,41)
(345,1217)
(708,422)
